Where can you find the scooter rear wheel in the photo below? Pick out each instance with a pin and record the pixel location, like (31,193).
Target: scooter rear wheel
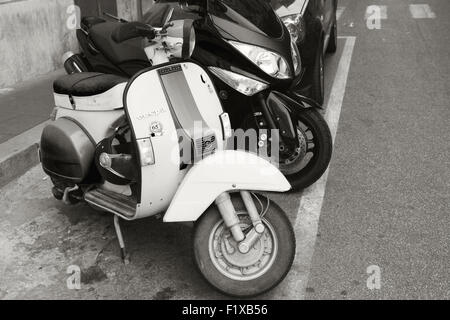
(235,274)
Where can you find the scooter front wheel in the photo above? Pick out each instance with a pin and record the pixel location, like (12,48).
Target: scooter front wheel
(244,275)
(310,161)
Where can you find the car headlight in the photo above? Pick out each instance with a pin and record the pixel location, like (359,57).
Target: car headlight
(296,26)
(270,62)
(296,59)
(244,85)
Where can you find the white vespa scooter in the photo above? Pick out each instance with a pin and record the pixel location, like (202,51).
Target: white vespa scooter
(131,148)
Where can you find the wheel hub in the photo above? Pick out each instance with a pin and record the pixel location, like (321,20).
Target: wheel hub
(225,254)
(301,149)
(232,255)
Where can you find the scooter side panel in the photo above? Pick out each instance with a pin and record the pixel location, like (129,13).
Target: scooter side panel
(224,171)
(151,99)
(150,117)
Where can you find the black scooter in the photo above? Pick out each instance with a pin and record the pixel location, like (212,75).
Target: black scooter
(255,66)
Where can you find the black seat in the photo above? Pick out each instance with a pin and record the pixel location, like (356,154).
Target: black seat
(88,22)
(118,53)
(86,83)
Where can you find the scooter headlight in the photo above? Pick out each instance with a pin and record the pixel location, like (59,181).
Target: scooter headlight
(296,26)
(270,62)
(244,85)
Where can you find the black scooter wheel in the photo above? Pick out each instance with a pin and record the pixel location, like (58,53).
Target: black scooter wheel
(244,275)
(317,148)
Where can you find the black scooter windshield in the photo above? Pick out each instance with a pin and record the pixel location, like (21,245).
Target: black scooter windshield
(255,15)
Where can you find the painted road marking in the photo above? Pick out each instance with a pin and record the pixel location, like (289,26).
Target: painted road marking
(307,223)
(421,11)
(6,91)
(380,12)
(339,12)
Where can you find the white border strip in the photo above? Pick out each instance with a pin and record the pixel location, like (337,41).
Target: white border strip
(307,223)
(339,13)
(421,11)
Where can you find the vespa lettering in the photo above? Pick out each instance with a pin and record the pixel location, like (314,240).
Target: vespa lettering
(151,114)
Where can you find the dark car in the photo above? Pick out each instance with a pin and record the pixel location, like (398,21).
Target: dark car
(313,25)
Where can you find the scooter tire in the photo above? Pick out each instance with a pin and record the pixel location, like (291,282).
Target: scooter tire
(323,141)
(276,221)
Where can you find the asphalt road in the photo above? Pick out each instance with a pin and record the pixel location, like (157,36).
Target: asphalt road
(388,195)
(26,105)
(384,202)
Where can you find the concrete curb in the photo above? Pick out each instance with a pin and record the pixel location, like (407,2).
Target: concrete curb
(19,154)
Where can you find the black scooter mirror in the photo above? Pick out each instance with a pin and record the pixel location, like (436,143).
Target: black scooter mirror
(192,6)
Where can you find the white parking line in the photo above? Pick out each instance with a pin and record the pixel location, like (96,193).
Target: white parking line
(307,223)
(339,12)
(421,11)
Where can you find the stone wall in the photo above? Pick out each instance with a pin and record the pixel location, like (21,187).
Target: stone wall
(127,9)
(33,37)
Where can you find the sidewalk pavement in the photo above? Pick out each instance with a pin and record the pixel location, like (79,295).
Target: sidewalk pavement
(24,110)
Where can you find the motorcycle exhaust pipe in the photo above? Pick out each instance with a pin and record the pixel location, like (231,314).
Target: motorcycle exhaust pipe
(73,63)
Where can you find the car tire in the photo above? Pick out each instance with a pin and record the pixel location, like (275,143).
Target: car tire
(318,77)
(332,44)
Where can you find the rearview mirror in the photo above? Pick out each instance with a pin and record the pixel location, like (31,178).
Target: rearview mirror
(188,6)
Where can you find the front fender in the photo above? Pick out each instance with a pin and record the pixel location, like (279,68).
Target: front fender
(297,100)
(222,172)
(283,107)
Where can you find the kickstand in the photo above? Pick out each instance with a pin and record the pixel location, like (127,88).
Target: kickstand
(125,256)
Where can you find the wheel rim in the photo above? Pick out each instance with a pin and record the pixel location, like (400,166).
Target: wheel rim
(227,259)
(301,157)
(300,151)
(310,151)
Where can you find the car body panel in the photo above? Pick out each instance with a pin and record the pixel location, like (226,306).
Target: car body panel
(319,17)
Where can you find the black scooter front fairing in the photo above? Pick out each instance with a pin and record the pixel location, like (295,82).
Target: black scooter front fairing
(257,25)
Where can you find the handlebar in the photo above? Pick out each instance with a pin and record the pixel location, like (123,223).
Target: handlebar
(131,30)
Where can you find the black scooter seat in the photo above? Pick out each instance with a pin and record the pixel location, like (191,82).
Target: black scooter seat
(88,22)
(86,84)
